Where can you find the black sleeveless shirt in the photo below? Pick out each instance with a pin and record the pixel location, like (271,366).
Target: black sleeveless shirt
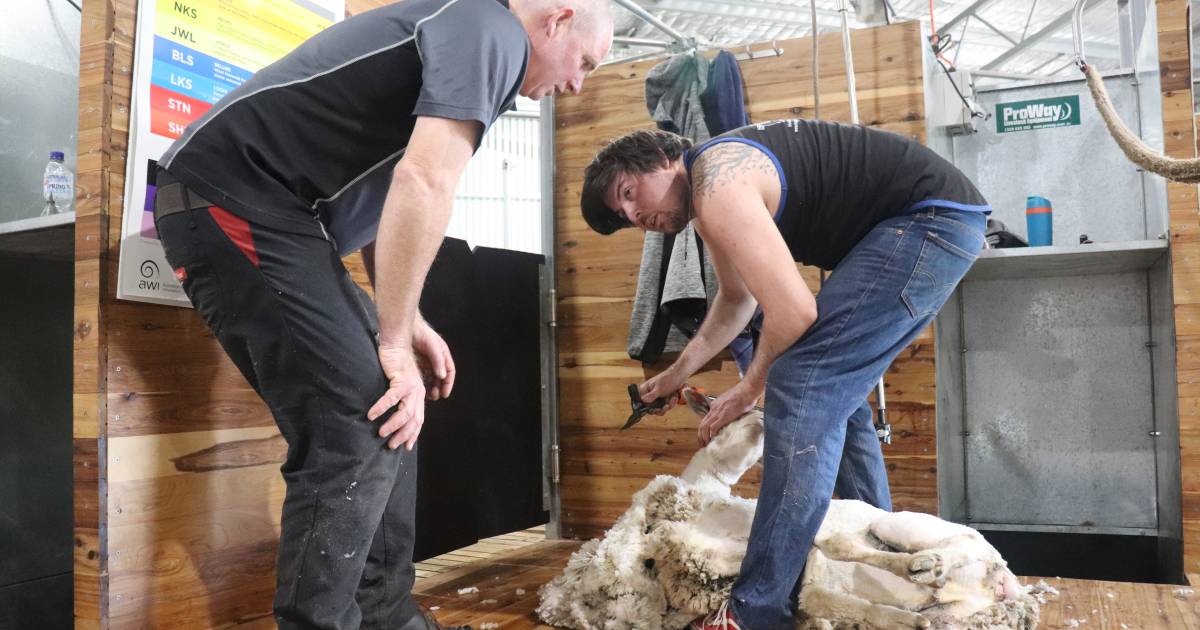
(840,181)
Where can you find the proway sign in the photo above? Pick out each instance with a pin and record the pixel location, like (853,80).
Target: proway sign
(1042,113)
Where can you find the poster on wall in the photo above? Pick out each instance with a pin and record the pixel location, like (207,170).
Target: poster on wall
(189,54)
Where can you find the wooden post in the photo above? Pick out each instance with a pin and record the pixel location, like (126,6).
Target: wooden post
(1179,139)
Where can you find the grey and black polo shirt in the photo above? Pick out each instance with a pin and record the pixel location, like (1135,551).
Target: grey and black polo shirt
(307,145)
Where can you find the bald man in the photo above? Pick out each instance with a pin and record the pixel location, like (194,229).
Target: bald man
(355,140)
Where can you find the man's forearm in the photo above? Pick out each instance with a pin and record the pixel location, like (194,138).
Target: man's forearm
(411,229)
(724,321)
(775,337)
(368,258)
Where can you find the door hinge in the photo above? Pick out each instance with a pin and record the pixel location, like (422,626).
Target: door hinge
(555,478)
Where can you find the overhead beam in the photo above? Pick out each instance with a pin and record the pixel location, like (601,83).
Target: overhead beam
(793,28)
(997,30)
(640,41)
(1050,29)
(1052,45)
(650,19)
(978,5)
(723,9)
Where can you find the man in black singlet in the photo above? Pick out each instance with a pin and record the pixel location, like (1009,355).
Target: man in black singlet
(899,227)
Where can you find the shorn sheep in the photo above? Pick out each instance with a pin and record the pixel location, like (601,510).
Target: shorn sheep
(673,556)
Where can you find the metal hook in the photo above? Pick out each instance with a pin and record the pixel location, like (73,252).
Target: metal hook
(1077,33)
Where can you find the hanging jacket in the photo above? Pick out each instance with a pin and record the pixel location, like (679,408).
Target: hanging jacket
(688,95)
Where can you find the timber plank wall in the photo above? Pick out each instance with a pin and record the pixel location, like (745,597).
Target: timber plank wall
(1179,140)
(601,467)
(177,488)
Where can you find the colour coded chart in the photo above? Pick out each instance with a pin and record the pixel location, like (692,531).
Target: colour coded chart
(190,54)
(203,49)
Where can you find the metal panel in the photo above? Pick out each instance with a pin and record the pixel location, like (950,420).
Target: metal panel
(549,337)
(33,122)
(1059,402)
(35,419)
(1166,423)
(951,423)
(1094,188)
(44,603)
(39,78)
(498,201)
(1144,22)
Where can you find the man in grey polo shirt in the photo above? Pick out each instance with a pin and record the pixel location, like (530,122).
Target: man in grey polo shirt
(355,140)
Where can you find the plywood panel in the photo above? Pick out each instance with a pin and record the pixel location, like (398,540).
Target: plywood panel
(1179,129)
(597,278)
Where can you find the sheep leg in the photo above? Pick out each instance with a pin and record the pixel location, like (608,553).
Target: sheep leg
(912,531)
(731,453)
(922,567)
(822,603)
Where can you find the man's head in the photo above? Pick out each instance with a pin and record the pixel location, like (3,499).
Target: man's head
(638,180)
(567,38)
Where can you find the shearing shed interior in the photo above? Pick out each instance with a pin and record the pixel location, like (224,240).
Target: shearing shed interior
(712,314)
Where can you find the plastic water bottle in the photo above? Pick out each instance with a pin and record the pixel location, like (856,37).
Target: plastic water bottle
(58,186)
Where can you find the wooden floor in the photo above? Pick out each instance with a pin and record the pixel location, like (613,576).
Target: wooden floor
(482,550)
(508,586)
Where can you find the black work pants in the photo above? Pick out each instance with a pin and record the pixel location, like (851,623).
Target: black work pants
(287,313)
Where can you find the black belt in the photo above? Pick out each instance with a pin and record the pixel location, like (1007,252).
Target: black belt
(174,197)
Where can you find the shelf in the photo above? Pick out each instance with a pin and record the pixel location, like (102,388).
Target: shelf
(1066,260)
(1063,529)
(51,237)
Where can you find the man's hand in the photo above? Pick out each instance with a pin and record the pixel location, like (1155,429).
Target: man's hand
(406,392)
(728,407)
(666,384)
(434,360)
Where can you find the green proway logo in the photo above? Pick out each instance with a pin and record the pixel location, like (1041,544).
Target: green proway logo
(1042,113)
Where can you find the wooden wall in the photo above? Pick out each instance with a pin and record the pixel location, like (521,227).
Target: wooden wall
(1179,129)
(177,488)
(602,467)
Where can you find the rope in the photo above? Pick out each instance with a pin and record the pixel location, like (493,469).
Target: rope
(1138,152)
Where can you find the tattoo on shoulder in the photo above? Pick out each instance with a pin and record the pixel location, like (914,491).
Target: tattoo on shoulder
(723,163)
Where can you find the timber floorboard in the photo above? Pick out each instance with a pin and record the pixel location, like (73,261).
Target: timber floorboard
(508,585)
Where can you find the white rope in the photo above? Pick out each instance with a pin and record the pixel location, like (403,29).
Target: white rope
(1138,152)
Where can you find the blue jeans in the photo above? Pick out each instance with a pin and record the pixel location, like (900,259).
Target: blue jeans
(818,430)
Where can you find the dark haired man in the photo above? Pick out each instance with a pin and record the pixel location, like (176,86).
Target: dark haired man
(899,227)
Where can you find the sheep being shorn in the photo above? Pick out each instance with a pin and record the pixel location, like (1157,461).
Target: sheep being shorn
(674,554)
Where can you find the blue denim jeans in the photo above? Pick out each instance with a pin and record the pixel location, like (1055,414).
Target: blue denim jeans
(818,429)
